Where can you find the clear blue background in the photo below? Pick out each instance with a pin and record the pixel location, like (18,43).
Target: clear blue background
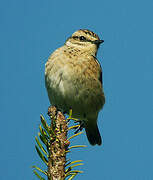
(32,29)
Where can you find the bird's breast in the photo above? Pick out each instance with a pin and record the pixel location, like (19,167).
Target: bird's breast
(73,83)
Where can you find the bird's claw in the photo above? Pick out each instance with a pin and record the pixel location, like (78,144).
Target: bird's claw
(80,128)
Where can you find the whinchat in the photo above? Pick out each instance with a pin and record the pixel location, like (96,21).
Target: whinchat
(73,78)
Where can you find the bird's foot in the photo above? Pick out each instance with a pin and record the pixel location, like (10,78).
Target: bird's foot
(80,128)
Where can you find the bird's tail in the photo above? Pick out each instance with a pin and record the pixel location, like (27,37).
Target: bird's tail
(93,134)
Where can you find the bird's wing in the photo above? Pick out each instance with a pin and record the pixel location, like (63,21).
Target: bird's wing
(100,70)
(100,76)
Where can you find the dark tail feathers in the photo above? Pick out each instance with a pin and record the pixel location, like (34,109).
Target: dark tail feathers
(93,134)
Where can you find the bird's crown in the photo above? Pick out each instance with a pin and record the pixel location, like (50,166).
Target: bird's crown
(89,35)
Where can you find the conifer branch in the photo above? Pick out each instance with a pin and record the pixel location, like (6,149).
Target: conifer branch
(53,145)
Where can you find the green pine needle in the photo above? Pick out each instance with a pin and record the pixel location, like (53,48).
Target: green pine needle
(45,125)
(73,162)
(41,155)
(43,132)
(72,176)
(73,127)
(43,139)
(44,172)
(77,146)
(74,135)
(41,147)
(39,177)
(71,167)
(73,172)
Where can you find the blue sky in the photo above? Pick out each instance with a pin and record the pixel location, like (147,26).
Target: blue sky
(29,31)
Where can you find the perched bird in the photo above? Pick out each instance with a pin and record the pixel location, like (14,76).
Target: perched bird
(73,78)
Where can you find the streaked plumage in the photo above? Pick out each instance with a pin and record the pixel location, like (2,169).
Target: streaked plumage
(73,78)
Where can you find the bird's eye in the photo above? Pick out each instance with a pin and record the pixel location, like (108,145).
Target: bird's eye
(82,38)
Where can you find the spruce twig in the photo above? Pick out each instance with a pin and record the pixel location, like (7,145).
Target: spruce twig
(53,146)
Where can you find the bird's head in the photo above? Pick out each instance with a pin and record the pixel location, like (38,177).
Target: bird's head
(84,40)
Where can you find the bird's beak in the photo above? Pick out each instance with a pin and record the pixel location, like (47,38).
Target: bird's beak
(101,41)
(98,42)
